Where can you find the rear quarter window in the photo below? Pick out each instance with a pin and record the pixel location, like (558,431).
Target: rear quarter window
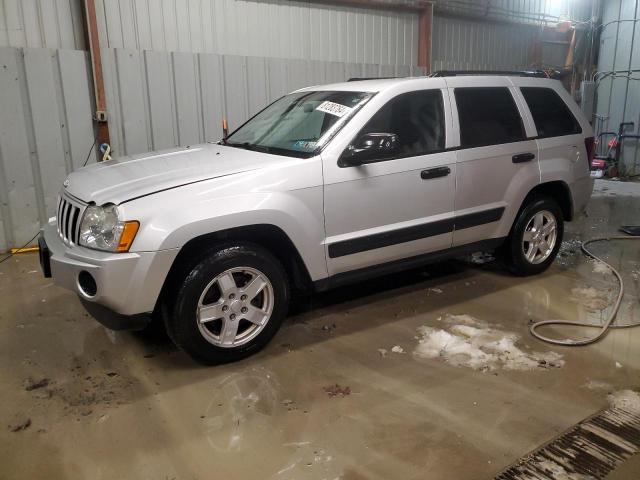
(488,116)
(551,115)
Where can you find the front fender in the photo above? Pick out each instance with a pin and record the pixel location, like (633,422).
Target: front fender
(170,219)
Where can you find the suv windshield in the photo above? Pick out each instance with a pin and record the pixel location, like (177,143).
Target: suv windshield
(299,124)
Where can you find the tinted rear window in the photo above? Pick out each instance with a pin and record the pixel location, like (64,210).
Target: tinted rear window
(488,116)
(550,114)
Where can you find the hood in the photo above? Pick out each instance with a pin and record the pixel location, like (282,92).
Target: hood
(126,178)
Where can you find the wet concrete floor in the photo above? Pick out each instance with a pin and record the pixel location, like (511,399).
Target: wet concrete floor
(321,401)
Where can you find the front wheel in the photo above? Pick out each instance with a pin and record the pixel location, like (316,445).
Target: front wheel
(230,304)
(535,237)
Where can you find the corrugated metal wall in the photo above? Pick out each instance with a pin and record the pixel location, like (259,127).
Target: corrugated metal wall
(41,23)
(45,132)
(160,99)
(463,44)
(530,11)
(278,29)
(618,95)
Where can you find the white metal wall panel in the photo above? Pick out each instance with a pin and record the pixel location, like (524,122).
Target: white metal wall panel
(45,131)
(235,88)
(463,44)
(41,23)
(618,96)
(75,106)
(212,94)
(262,28)
(16,151)
(187,90)
(161,107)
(528,11)
(158,100)
(132,105)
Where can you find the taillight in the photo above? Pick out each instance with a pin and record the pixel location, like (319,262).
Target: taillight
(589,145)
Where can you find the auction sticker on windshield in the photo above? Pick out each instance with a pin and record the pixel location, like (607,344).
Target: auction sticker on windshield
(333,108)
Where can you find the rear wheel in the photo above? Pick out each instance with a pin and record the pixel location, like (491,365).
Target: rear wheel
(230,304)
(535,237)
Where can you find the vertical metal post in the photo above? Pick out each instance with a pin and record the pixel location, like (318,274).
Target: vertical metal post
(98,79)
(613,66)
(626,91)
(425,29)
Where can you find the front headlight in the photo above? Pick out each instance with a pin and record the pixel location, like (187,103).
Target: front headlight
(102,229)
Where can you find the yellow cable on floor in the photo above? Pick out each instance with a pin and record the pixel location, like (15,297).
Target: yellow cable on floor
(608,323)
(13,251)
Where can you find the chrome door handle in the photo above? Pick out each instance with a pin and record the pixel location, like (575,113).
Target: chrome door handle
(434,173)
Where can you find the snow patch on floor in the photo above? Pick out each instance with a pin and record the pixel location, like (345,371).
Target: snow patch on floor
(598,385)
(473,343)
(626,400)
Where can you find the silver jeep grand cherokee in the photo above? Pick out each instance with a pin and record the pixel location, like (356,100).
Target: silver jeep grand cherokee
(327,185)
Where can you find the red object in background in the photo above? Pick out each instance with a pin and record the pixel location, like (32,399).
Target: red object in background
(613,143)
(598,164)
(589,144)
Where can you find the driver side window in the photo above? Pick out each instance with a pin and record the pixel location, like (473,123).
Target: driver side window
(417,118)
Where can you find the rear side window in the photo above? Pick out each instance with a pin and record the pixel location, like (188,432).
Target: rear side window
(550,114)
(488,116)
(416,117)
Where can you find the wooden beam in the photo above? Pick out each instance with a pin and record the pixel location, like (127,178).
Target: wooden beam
(98,79)
(425,29)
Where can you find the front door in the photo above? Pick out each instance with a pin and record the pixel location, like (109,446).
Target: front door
(397,207)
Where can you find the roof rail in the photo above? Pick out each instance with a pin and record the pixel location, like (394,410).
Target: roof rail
(515,73)
(360,79)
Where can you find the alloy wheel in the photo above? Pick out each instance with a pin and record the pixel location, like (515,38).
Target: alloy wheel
(235,307)
(540,236)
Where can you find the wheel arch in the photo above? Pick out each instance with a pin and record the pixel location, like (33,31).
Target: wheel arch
(559,191)
(267,236)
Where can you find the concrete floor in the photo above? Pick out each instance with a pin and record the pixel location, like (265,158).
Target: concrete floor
(123,405)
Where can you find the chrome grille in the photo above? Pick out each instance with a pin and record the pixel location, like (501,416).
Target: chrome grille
(68,217)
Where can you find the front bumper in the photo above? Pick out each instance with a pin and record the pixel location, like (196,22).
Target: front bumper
(126,284)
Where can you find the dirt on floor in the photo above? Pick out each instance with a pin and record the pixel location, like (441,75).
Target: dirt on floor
(430,374)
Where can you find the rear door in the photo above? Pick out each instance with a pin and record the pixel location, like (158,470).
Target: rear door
(562,150)
(497,159)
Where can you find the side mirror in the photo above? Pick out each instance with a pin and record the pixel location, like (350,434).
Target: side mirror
(369,148)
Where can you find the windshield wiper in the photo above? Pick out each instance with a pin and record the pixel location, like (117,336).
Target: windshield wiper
(250,146)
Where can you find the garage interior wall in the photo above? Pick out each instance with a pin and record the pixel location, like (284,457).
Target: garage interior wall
(261,28)
(467,44)
(617,79)
(42,23)
(175,68)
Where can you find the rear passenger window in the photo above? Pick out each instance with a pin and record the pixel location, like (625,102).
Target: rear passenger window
(488,116)
(416,117)
(550,114)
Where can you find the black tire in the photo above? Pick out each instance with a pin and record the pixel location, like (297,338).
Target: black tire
(513,253)
(180,313)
